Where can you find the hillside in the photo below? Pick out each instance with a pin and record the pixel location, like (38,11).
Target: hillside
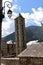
(32,33)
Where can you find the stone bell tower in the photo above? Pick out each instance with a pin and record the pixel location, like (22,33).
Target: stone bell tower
(20,34)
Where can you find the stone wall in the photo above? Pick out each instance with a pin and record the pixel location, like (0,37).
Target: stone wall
(3,48)
(20,34)
(11,49)
(31,61)
(8,50)
(10,61)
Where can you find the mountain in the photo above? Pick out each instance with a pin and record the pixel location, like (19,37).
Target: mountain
(32,33)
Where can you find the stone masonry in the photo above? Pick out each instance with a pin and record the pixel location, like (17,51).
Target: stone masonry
(20,34)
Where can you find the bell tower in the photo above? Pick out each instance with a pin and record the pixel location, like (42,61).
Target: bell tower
(20,34)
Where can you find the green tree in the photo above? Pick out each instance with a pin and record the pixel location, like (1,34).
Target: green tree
(42,25)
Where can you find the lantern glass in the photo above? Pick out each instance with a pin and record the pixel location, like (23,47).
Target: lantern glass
(9,13)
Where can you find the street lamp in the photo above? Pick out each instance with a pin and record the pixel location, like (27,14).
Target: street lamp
(9,12)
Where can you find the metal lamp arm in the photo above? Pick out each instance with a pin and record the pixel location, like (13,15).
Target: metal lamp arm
(8,4)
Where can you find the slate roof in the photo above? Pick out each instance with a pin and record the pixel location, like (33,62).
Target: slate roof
(33,50)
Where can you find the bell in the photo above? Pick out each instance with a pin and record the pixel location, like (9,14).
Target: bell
(9,13)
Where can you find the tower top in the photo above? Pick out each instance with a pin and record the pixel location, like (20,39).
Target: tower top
(19,16)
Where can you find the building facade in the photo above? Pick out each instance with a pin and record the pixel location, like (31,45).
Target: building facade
(32,55)
(3,48)
(20,34)
(11,50)
(8,50)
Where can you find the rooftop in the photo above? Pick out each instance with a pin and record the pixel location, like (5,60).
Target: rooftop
(19,16)
(33,50)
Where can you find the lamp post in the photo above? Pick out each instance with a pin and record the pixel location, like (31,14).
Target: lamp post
(2,15)
(9,12)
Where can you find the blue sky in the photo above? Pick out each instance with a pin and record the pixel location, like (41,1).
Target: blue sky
(31,10)
(27,5)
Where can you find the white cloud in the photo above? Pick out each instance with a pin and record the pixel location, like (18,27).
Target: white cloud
(8,24)
(25,15)
(35,18)
(37,14)
(14,7)
(7,27)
